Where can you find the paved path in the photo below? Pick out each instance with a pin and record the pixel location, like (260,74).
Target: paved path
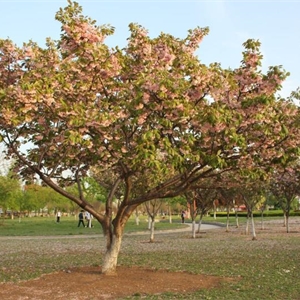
(205,226)
(188,227)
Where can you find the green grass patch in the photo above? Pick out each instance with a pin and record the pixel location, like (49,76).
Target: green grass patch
(47,226)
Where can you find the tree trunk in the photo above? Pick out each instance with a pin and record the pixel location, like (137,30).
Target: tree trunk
(170,213)
(247,225)
(200,223)
(149,222)
(110,259)
(193,229)
(237,225)
(137,219)
(284,218)
(262,220)
(215,211)
(152,228)
(287,223)
(227,221)
(287,215)
(253,227)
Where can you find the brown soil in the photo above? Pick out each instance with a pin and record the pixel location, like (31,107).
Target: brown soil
(89,283)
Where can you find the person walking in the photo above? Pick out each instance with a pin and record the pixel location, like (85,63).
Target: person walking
(81,219)
(88,218)
(58,215)
(183,216)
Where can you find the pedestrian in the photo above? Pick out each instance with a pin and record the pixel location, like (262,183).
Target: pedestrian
(58,215)
(182,216)
(81,219)
(88,218)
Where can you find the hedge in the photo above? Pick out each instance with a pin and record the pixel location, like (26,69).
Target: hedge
(269,213)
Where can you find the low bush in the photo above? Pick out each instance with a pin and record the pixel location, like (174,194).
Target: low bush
(268,213)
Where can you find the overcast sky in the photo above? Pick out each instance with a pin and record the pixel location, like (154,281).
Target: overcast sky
(275,23)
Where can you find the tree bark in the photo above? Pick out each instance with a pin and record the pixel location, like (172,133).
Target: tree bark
(237,225)
(227,221)
(253,227)
(287,223)
(247,225)
(193,229)
(137,219)
(262,220)
(152,229)
(215,211)
(284,218)
(170,215)
(287,215)
(200,223)
(110,258)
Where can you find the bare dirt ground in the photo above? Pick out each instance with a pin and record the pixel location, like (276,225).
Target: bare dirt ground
(87,283)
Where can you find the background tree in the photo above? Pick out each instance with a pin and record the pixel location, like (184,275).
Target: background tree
(252,193)
(190,197)
(286,186)
(227,198)
(9,192)
(205,198)
(36,197)
(200,201)
(152,208)
(151,109)
(173,206)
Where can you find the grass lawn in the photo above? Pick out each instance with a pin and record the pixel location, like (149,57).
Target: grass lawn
(47,226)
(35,226)
(265,269)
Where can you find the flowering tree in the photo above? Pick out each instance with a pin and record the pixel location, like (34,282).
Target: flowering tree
(200,200)
(285,185)
(253,195)
(227,198)
(149,110)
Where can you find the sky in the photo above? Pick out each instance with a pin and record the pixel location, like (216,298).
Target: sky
(276,24)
